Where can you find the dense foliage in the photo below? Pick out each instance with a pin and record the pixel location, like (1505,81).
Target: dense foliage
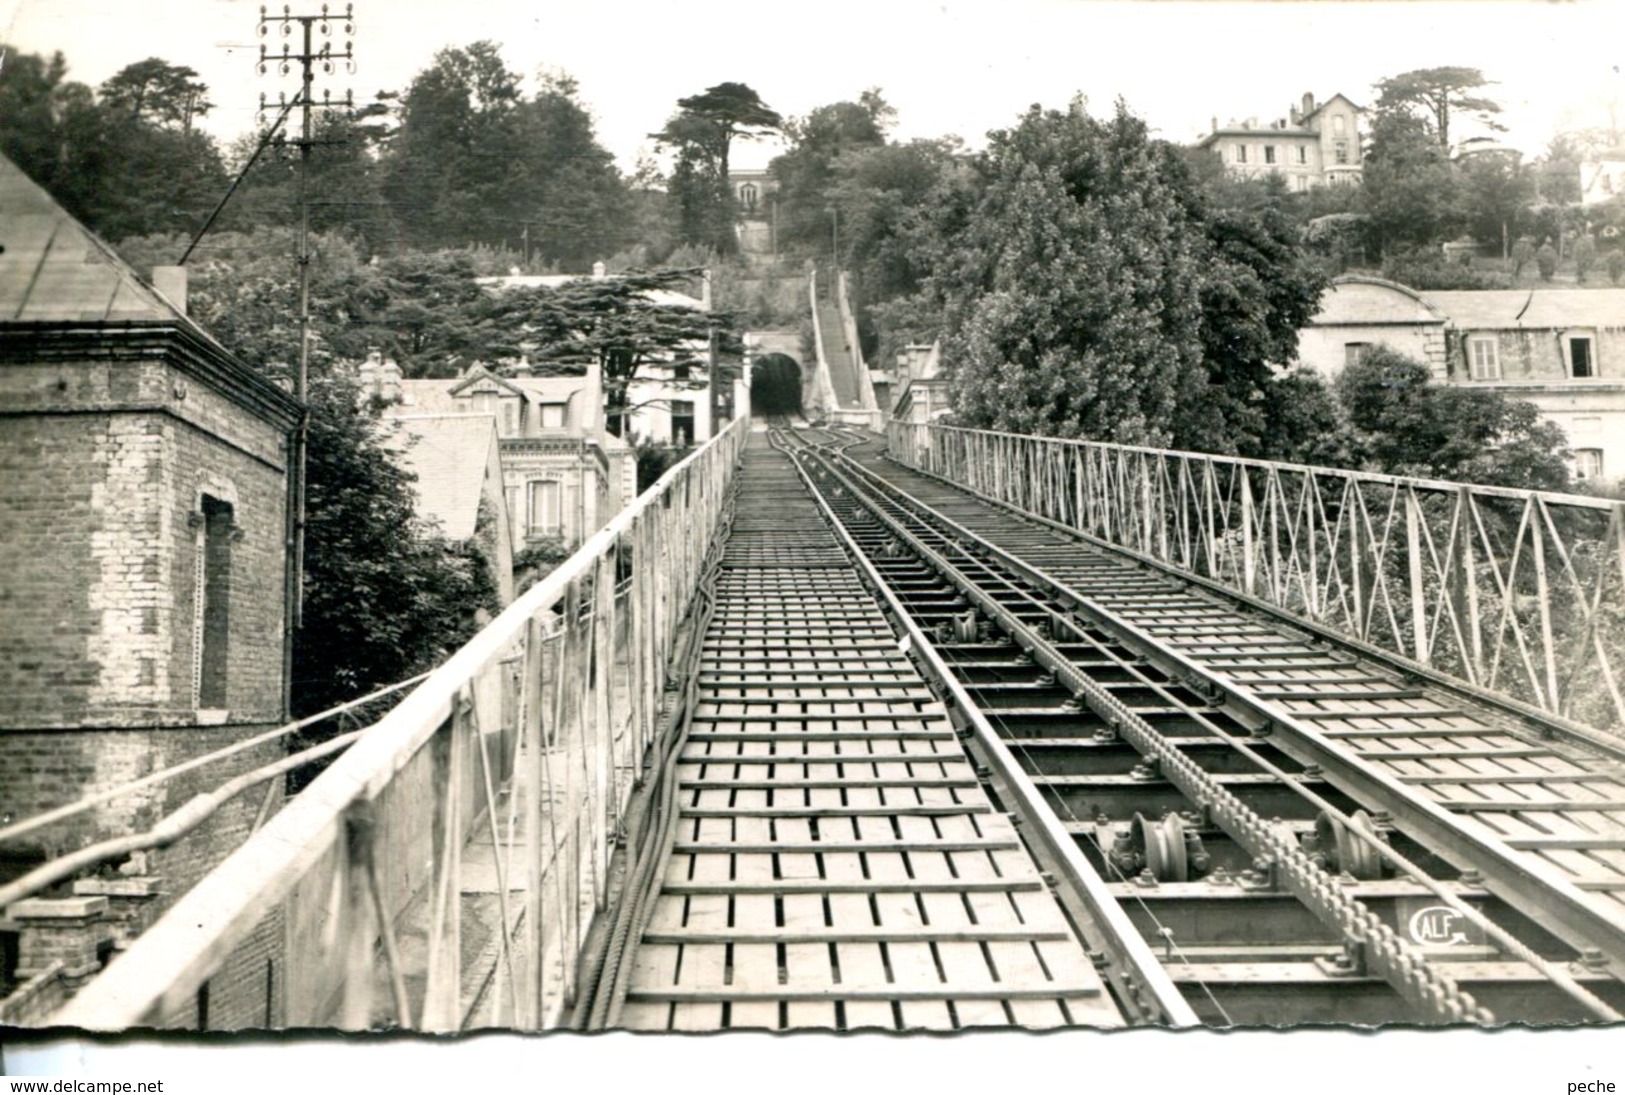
(379,606)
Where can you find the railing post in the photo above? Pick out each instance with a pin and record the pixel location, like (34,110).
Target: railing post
(1421,648)
(1355,508)
(1543,594)
(1249,551)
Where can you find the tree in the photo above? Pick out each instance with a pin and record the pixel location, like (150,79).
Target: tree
(1546,260)
(702,133)
(615,323)
(1065,274)
(881,195)
(386,597)
(345,178)
(1585,256)
(1433,95)
(451,166)
(729,111)
(1523,253)
(1258,288)
(157,93)
(1557,173)
(806,174)
(1407,188)
(575,204)
(1495,192)
(122,172)
(1403,424)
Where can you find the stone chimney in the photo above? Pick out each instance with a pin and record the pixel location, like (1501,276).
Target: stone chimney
(591,422)
(171,281)
(368,373)
(389,382)
(380,378)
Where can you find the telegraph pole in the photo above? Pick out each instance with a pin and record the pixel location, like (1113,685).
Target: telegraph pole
(310,55)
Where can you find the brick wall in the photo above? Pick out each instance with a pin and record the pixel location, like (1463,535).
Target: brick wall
(100,492)
(105,468)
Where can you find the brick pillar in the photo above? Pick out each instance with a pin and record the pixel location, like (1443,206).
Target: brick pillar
(60,929)
(132,904)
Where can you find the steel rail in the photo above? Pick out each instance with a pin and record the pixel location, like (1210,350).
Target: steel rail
(1576,914)
(1381,950)
(1151,991)
(1549,723)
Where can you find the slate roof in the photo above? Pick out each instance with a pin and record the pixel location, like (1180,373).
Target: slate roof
(1354,300)
(1503,309)
(436,396)
(449,453)
(53,269)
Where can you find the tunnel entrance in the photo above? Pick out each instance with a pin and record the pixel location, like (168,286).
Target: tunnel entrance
(775,385)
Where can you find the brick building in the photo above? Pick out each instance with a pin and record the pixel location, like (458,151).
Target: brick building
(143,569)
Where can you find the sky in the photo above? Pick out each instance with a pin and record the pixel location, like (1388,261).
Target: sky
(948,66)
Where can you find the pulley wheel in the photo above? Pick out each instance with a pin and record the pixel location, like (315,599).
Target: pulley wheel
(1162,844)
(1353,854)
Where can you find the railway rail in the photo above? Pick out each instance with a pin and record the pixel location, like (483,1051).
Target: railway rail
(1303,834)
(834,860)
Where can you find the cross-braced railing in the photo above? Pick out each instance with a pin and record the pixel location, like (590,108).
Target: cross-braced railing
(1519,593)
(363,875)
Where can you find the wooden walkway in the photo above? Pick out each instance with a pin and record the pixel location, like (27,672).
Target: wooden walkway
(837,863)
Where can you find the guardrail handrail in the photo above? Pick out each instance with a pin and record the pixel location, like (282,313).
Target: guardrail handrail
(381,831)
(1514,593)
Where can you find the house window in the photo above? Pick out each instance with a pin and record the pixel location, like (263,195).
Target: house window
(1241,153)
(485,403)
(682,422)
(1342,152)
(552,416)
(1484,356)
(1303,153)
(545,510)
(1588,463)
(1581,364)
(1354,352)
(679,371)
(211,602)
(1269,153)
(748,195)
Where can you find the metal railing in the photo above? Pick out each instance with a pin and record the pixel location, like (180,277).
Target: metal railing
(364,869)
(1513,592)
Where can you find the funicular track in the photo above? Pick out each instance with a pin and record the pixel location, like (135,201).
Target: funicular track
(1304,834)
(835,861)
